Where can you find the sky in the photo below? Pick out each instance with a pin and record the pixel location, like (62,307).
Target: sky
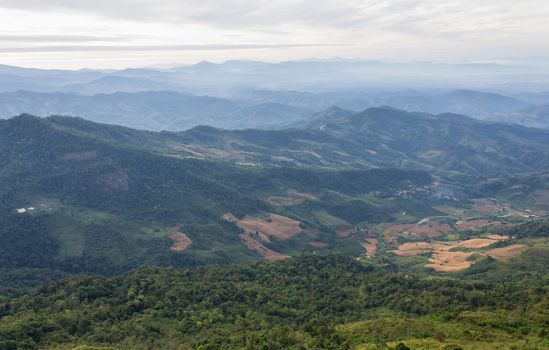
(74,34)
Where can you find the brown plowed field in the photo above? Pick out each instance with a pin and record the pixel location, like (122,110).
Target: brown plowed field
(344,231)
(180,242)
(476,224)
(256,231)
(506,253)
(265,252)
(371,247)
(428,230)
(317,245)
(443,259)
(277,226)
(450,261)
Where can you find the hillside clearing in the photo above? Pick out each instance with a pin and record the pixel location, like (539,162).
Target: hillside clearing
(265,252)
(277,226)
(465,225)
(450,261)
(317,245)
(506,253)
(444,256)
(344,231)
(427,229)
(180,242)
(371,247)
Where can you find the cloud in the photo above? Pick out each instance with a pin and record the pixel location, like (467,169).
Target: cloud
(144,48)
(373,29)
(420,15)
(58,38)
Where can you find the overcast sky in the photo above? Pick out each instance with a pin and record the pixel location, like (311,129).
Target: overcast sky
(132,33)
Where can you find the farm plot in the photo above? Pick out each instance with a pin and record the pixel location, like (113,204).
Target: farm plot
(465,225)
(180,242)
(256,231)
(344,231)
(371,247)
(506,253)
(317,245)
(253,244)
(423,230)
(275,226)
(445,256)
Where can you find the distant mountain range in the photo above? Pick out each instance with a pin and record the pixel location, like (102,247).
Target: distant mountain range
(307,75)
(154,110)
(247,94)
(170,110)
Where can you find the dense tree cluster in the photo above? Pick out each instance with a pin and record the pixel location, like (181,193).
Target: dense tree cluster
(294,304)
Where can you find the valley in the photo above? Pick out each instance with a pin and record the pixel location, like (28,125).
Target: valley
(178,197)
(274,175)
(353,218)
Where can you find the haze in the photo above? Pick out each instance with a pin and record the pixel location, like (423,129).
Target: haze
(118,34)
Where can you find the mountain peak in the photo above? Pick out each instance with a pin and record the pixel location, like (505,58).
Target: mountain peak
(23,117)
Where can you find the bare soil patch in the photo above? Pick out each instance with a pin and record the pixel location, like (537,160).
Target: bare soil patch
(497,237)
(444,259)
(277,226)
(180,242)
(476,224)
(253,244)
(450,261)
(475,243)
(371,247)
(255,231)
(187,149)
(230,218)
(428,230)
(417,248)
(506,253)
(344,231)
(317,245)
(392,230)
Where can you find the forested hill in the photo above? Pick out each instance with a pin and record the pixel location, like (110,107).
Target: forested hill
(81,197)
(378,137)
(446,143)
(311,302)
(106,199)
